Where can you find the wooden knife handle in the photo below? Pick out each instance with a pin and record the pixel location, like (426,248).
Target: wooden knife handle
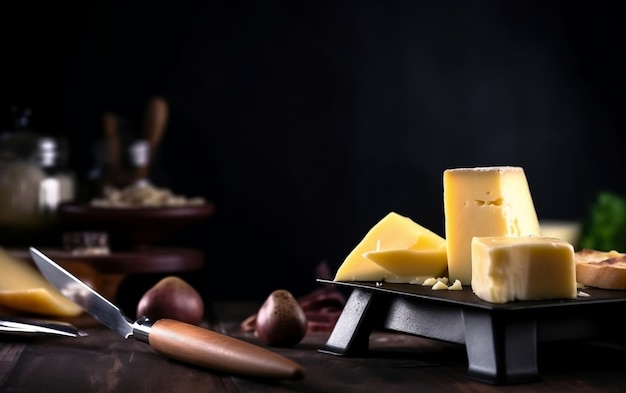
(154,126)
(206,348)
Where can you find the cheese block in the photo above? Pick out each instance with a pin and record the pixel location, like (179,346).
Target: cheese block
(24,289)
(392,232)
(484,201)
(505,269)
(412,265)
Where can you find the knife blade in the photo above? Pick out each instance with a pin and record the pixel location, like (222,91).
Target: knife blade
(174,339)
(36,326)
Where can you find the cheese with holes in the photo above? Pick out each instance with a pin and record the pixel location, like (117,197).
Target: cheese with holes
(484,201)
(24,289)
(395,242)
(506,269)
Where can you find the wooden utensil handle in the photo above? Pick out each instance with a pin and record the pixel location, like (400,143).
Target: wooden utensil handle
(154,126)
(212,350)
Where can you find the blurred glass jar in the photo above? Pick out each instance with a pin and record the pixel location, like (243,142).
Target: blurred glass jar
(34,179)
(58,184)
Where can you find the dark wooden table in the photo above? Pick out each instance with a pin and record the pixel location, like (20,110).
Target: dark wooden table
(105,362)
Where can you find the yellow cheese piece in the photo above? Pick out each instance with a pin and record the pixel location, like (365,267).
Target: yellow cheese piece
(505,269)
(23,288)
(484,201)
(392,232)
(412,265)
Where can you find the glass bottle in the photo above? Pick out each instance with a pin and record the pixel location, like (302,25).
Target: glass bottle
(20,176)
(34,178)
(58,185)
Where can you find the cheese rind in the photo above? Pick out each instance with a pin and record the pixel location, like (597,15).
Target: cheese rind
(506,269)
(484,201)
(23,288)
(393,232)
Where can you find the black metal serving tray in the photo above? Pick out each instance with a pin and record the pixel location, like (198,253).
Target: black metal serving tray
(501,339)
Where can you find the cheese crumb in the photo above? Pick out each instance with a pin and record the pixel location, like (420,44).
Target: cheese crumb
(143,194)
(456,286)
(439,285)
(430,282)
(583,294)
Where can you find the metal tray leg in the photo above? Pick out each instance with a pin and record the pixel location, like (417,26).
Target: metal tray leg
(500,352)
(352,331)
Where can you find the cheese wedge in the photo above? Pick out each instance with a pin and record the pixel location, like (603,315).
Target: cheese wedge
(393,232)
(23,288)
(484,201)
(505,269)
(412,265)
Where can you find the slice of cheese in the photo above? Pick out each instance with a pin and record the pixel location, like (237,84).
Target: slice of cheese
(412,265)
(24,289)
(505,269)
(392,232)
(484,201)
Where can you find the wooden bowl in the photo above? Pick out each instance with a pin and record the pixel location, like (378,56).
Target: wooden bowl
(131,227)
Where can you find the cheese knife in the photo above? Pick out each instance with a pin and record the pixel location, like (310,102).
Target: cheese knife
(174,339)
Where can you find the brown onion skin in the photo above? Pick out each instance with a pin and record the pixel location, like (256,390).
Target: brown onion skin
(281,322)
(173,298)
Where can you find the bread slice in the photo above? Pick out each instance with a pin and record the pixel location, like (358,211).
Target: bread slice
(601,269)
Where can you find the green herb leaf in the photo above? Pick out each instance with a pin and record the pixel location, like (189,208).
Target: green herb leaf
(605,228)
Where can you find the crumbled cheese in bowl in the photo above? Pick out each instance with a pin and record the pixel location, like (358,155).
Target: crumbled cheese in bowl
(143,194)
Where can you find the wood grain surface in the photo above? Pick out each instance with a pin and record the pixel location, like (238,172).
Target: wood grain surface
(105,362)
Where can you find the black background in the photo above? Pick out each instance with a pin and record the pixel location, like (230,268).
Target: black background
(306,122)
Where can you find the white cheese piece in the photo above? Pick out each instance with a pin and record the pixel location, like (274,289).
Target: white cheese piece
(506,269)
(392,232)
(456,286)
(439,285)
(484,201)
